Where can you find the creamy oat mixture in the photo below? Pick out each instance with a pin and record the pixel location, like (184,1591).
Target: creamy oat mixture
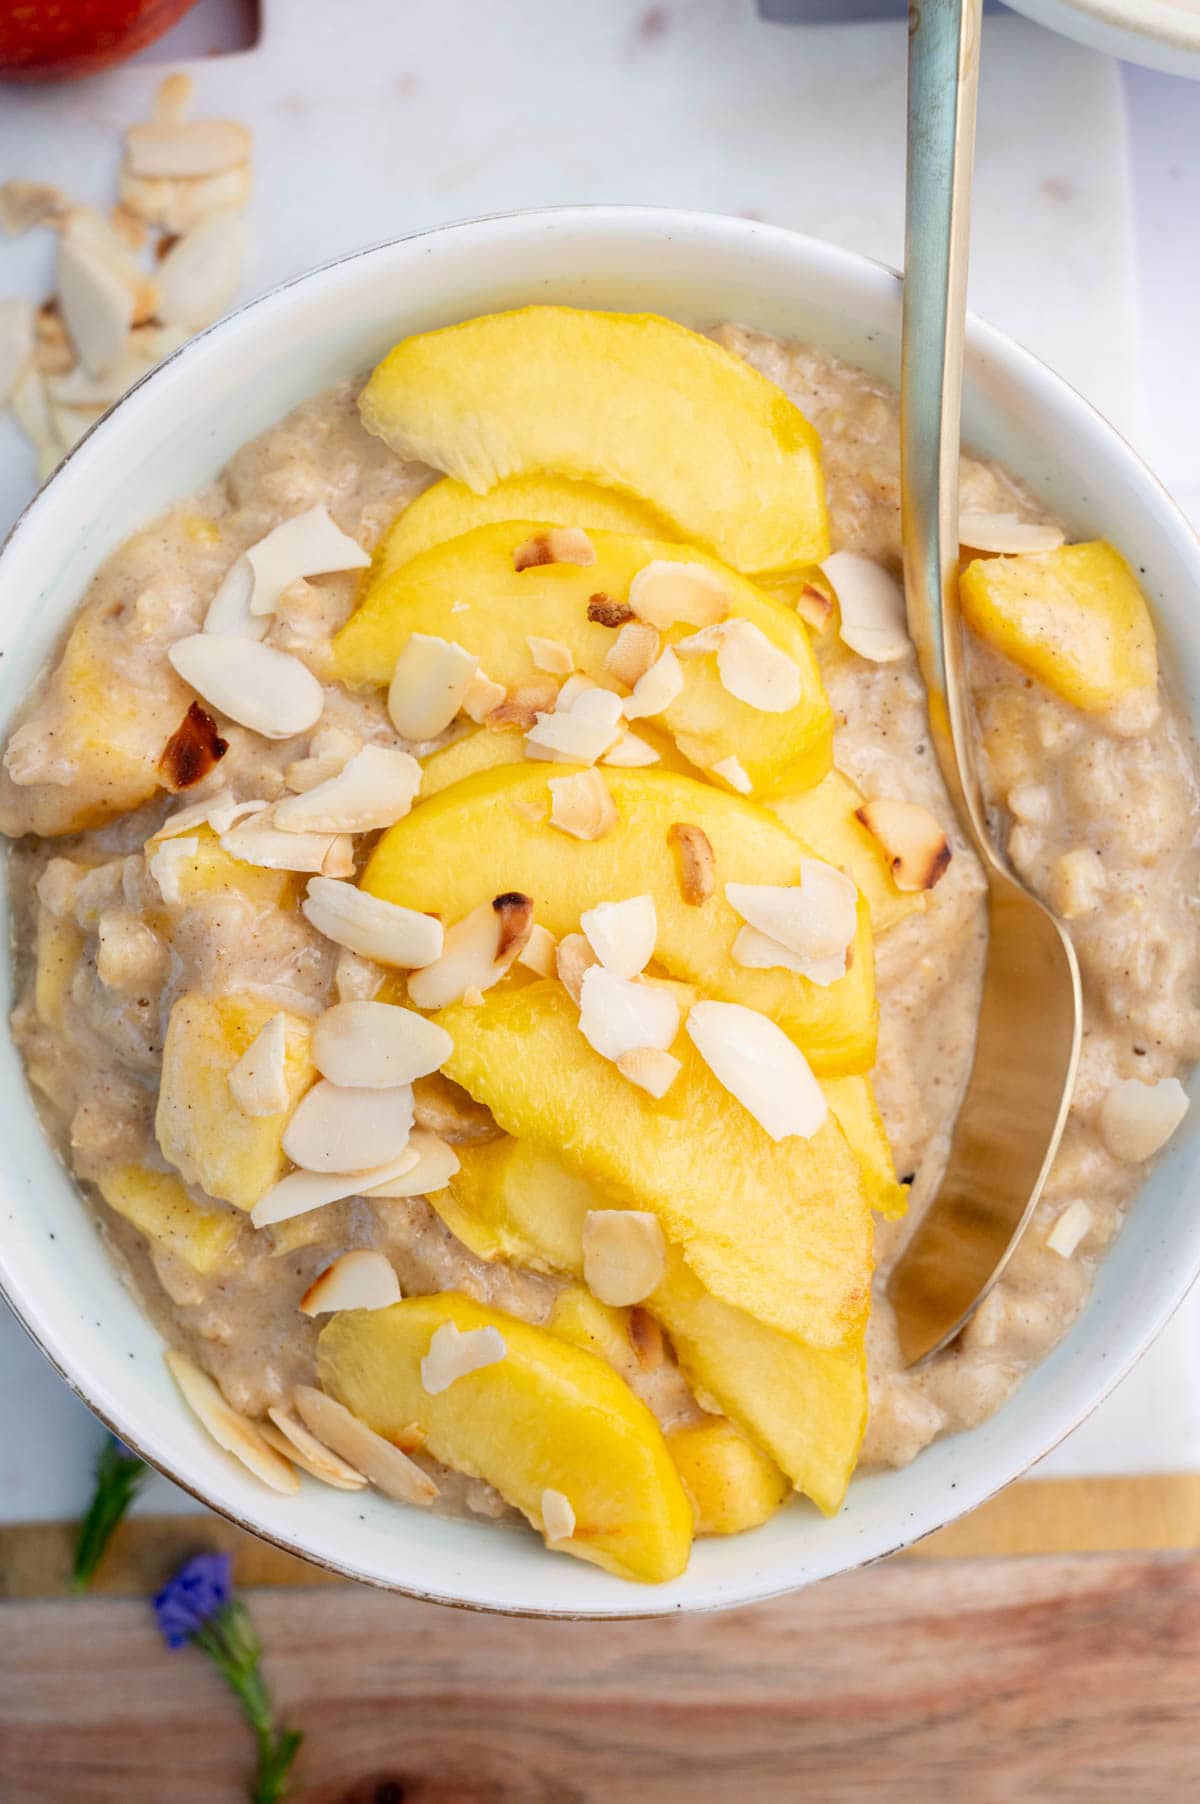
(1098,813)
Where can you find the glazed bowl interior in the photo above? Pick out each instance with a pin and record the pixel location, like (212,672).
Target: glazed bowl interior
(173,433)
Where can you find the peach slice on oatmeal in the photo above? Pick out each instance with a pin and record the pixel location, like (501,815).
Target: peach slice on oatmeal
(731,1484)
(158,1205)
(824,816)
(633,402)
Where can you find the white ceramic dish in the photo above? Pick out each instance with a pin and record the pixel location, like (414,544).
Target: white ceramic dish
(1160,34)
(171,434)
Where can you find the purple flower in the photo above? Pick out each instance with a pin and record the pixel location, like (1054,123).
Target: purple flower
(192,1598)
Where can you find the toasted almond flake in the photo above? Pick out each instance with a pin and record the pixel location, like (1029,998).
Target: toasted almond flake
(814,607)
(228,1429)
(874,622)
(624,1255)
(558,1518)
(569,738)
(916,847)
(24,205)
(582,806)
(97,307)
(173,98)
(523,703)
(336,1129)
(1137,1119)
(188,147)
(573,958)
(383,1465)
(357,979)
(375,1045)
(363,1279)
(631,752)
(632,652)
(539,951)
(375,789)
(258,841)
(731,770)
(650,1069)
(194,749)
(16,342)
(756,1062)
(291,1438)
(309,544)
(696,861)
(559,545)
(436,1164)
(550,654)
(428,685)
(455,1353)
(196,814)
(755,671)
(258,1082)
(478,950)
(657,689)
(617,1015)
(603,610)
(815,918)
(622,934)
(368,925)
(166,866)
(1005,534)
(480,697)
(646,1339)
(266,690)
(1070,1228)
(199,275)
(756,951)
(667,594)
(302,1191)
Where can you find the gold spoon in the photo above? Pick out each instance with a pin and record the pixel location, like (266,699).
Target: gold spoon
(1015,1104)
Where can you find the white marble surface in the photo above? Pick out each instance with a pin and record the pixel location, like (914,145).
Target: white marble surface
(467,110)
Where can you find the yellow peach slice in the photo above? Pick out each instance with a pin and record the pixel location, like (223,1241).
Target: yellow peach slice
(157,1203)
(852,1101)
(731,1484)
(59,944)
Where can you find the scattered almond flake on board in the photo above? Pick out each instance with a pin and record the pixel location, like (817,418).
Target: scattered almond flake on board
(199,275)
(335,1129)
(372,927)
(815,918)
(656,689)
(266,690)
(558,1518)
(917,849)
(478,950)
(480,696)
(172,100)
(87,229)
(228,1429)
(559,545)
(650,1069)
(375,789)
(166,866)
(756,1062)
(582,806)
(374,1045)
(362,1279)
(357,979)
(669,594)
(428,685)
(757,951)
(1007,535)
(436,1164)
(757,672)
(874,621)
(631,752)
(258,1082)
(550,654)
(97,307)
(455,1353)
(539,951)
(624,1255)
(1137,1119)
(604,610)
(294,1441)
(632,652)
(302,1191)
(187,147)
(178,204)
(383,1465)
(696,861)
(17,336)
(309,544)
(258,841)
(1070,1228)
(573,957)
(622,934)
(617,1015)
(53,353)
(731,770)
(24,205)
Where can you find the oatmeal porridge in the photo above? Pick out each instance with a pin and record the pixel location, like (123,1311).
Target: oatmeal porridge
(497,953)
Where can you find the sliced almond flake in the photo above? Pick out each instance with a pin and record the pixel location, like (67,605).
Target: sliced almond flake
(357,979)
(650,1069)
(362,1279)
(622,934)
(228,1429)
(167,864)
(577,684)
(178,205)
(374,1045)
(632,652)
(16,341)
(1070,1228)
(669,594)
(707,642)
(199,276)
(292,1439)
(97,307)
(339,860)
(173,98)
(573,957)
(1137,1119)
(916,847)
(565,737)
(436,1164)
(258,841)
(309,544)
(657,689)
(24,205)
(816,918)
(258,1082)
(335,1129)
(480,697)
(302,1191)
(329,752)
(229,610)
(631,752)
(88,229)
(53,352)
(624,1255)
(472,996)
(196,814)
(27,398)
(428,685)
(617,1015)
(224,813)
(558,545)
(383,1465)
(372,927)
(874,620)
(266,690)
(814,607)
(600,707)
(558,1518)
(757,672)
(731,770)
(478,950)
(757,1063)
(1007,535)
(375,789)
(550,654)
(523,703)
(539,951)
(455,1353)
(188,147)
(757,951)
(696,860)
(582,806)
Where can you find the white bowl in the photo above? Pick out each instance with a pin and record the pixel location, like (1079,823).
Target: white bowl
(171,434)
(1161,34)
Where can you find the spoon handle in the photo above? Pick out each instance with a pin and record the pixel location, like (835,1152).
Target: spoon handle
(943,78)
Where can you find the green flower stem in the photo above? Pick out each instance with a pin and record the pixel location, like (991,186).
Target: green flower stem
(230,1642)
(119,1478)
